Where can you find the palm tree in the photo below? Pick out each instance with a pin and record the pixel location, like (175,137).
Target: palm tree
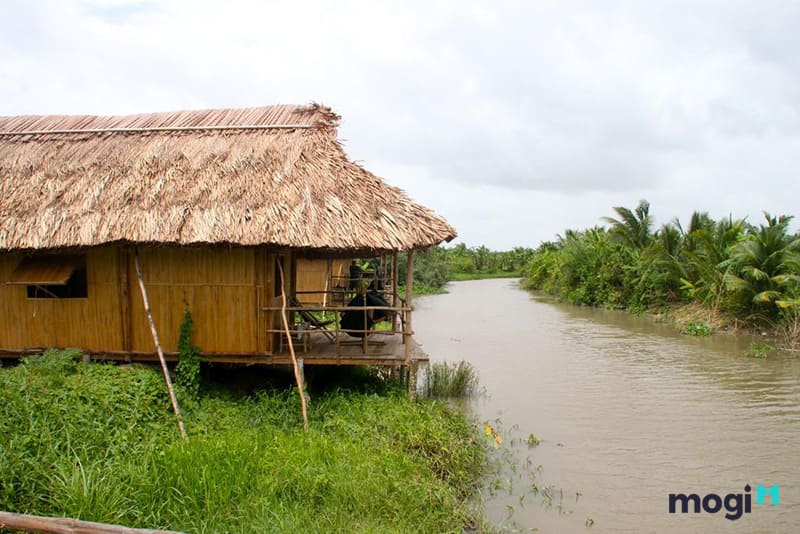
(765,266)
(632,227)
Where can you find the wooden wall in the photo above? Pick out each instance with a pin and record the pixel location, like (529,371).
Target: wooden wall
(92,323)
(221,287)
(311,275)
(224,288)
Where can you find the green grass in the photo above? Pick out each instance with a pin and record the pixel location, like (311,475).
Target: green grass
(460,277)
(98,442)
(442,379)
(422,290)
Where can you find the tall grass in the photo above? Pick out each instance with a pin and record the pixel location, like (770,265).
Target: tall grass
(98,442)
(443,379)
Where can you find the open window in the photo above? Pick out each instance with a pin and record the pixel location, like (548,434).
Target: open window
(52,276)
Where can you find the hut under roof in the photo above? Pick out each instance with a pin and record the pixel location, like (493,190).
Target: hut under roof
(210,199)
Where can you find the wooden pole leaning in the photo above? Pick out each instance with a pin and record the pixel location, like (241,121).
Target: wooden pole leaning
(411,365)
(66,525)
(298,371)
(154,332)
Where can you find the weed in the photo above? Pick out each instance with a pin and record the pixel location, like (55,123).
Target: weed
(758,350)
(443,379)
(187,372)
(697,329)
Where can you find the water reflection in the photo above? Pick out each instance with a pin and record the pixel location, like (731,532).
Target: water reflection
(629,410)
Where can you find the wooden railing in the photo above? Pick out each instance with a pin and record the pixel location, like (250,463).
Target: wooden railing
(304,327)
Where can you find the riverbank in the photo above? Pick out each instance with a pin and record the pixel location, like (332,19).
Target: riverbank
(98,442)
(694,319)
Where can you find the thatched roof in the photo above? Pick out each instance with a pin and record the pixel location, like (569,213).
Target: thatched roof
(272,175)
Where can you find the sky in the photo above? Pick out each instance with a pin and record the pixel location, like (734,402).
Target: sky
(513,120)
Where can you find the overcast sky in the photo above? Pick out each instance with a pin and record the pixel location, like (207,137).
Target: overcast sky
(513,120)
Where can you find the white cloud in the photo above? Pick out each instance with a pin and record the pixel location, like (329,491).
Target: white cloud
(515,120)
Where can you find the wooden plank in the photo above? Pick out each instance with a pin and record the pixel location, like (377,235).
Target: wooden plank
(66,525)
(46,269)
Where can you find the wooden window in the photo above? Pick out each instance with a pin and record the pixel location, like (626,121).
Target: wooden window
(52,276)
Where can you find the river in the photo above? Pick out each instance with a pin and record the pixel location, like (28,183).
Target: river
(628,411)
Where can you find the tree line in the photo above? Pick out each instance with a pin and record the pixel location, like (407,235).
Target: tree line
(748,271)
(436,266)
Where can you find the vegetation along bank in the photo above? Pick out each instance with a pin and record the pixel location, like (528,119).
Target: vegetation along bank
(736,272)
(99,443)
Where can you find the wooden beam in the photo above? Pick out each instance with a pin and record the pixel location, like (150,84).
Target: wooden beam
(66,525)
(395,293)
(408,328)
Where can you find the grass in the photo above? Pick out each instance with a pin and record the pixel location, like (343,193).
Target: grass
(422,290)
(443,379)
(460,277)
(98,442)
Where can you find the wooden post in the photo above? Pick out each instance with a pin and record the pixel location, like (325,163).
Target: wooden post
(123,265)
(65,525)
(298,373)
(328,284)
(407,329)
(395,293)
(153,330)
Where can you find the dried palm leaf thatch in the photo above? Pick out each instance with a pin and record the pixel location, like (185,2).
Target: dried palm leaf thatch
(273,175)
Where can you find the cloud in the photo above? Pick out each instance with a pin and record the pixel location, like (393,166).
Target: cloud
(552,107)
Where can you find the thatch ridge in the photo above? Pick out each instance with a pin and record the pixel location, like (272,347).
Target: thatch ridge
(273,175)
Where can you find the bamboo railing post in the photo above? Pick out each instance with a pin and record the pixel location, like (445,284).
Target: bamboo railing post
(407,329)
(161,358)
(298,375)
(395,294)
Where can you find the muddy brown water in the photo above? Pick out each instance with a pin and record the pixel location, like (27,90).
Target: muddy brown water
(628,411)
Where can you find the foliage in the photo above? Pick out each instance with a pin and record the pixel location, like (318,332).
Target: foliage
(758,350)
(748,272)
(187,372)
(97,442)
(435,266)
(697,329)
(443,379)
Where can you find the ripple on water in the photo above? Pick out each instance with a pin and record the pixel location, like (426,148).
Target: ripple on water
(628,410)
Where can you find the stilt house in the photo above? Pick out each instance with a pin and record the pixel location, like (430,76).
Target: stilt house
(217,207)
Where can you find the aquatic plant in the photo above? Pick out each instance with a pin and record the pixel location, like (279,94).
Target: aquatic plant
(758,350)
(697,329)
(443,379)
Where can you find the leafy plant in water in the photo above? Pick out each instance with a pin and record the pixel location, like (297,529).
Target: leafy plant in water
(758,350)
(187,372)
(697,329)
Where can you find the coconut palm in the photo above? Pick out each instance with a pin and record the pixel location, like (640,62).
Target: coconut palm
(632,227)
(765,266)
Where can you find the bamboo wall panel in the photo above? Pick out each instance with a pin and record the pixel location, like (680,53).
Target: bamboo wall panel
(263,292)
(217,285)
(92,323)
(311,276)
